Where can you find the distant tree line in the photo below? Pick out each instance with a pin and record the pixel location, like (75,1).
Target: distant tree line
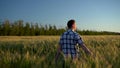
(20,28)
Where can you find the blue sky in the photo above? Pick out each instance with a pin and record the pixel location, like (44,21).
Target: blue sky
(100,15)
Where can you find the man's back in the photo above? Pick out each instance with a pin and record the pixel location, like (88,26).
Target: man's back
(68,41)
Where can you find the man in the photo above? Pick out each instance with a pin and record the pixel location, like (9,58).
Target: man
(68,40)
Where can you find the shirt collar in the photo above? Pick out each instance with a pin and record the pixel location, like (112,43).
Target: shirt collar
(70,30)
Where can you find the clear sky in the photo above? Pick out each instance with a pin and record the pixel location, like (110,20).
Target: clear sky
(100,15)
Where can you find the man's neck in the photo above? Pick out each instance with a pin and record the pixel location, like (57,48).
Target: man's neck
(72,29)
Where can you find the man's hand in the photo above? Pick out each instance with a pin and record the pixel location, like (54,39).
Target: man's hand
(87,51)
(57,54)
(91,54)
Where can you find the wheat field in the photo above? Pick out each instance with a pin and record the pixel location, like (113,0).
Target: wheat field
(39,52)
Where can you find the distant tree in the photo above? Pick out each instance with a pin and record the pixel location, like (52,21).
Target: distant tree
(37,30)
(32,30)
(20,26)
(14,29)
(27,29)
(1,28)
(6,27)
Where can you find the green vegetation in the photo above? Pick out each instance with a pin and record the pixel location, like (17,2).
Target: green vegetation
(20,28)
(41,54)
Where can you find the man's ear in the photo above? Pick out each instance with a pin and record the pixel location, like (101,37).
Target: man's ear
(73,25)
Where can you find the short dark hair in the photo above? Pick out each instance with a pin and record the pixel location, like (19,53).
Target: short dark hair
(70,23)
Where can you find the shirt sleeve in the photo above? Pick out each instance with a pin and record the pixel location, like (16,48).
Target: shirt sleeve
(78,39)
(60,41)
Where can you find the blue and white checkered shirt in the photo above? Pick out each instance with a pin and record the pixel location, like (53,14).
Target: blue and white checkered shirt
(68,41)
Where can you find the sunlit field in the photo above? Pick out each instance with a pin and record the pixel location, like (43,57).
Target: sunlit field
(39,52)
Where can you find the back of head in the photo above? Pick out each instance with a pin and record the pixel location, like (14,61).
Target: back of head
(70,23)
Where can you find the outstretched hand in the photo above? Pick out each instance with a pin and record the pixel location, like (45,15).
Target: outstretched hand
(91,54)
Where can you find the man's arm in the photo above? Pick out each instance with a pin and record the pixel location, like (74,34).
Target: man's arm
(81,43)
(58,53)
(59,49)
(85,49)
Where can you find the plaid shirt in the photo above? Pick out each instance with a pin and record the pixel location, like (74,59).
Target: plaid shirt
(68,41)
